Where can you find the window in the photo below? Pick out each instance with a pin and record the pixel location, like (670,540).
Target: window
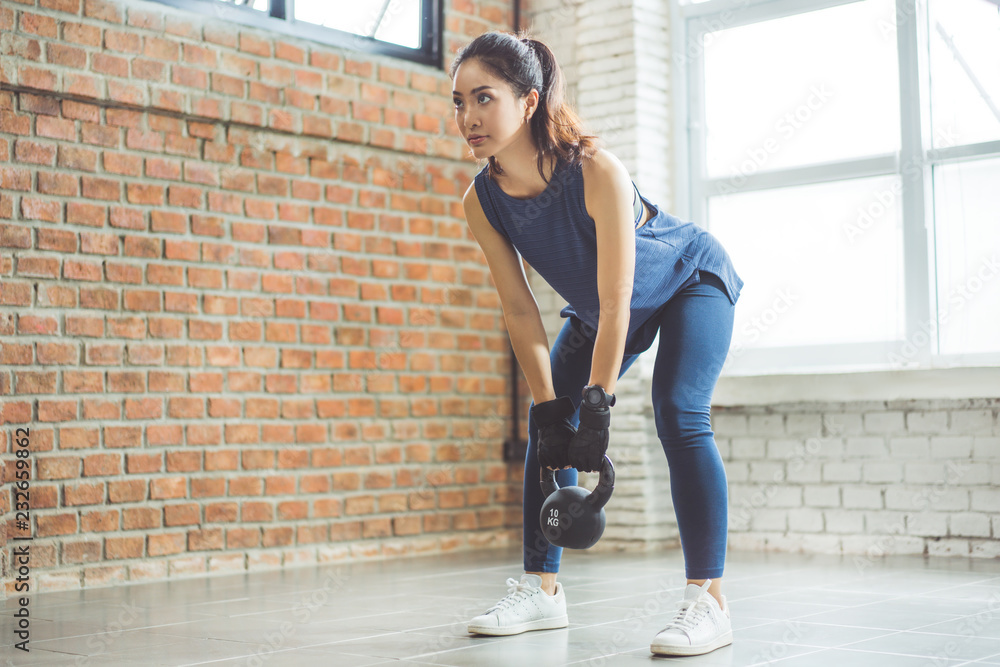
(408,29)
(847,154)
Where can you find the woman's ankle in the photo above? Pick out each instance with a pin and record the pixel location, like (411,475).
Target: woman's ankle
(548,581)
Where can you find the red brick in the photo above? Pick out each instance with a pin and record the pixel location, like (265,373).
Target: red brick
(99,244)
(163,168)
(127,42)
(81,213)
(80,33)
(189,77)
(144,141)
(148,70)
(77,157)
(57,411)
(83,438)
(15,237)
(184,196)
(100,135)
(251,44)
(127,218)
(84,326)
(182,250)
(106,10)
(15,179)
(126,93)
(58,524)
(51,183)
(122,163)
(100,188)
(116,548)
(33,208)
(200,55)
(67,56)
(29,151)
(148,20)
(55,128)
(56,353)
(59,240)
(124,118)
(142,300)
(38,267)
(43,26)
(177,144)
(143,408)
(14,124)
(166,221)
(83,382)
(28,382)
(151,195)
(159,48)
(99,299)
(117,272)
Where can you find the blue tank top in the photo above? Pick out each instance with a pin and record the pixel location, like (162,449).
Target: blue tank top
(557,237)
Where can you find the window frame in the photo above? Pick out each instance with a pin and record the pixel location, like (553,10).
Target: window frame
(279,20)
(689,25)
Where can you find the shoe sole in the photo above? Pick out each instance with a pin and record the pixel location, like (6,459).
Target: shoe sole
(723,640)
(543,624)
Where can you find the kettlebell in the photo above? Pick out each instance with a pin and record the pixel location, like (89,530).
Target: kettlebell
(570,517)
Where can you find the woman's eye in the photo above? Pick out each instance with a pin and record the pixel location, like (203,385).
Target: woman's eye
(458,102)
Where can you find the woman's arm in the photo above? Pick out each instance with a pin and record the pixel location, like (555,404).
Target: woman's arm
(608,198)
(520,310)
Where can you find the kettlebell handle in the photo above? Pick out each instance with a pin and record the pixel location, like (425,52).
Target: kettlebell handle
(599,497)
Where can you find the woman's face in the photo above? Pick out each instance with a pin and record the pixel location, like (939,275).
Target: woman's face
(491,110)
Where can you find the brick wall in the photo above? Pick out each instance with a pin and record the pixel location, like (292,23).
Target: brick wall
(240,308)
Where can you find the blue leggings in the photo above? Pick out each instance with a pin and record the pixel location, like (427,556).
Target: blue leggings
(695,329)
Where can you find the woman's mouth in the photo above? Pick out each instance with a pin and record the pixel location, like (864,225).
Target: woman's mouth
(477,141)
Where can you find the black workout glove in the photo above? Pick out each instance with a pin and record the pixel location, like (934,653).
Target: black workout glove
(590,444)
(554,431)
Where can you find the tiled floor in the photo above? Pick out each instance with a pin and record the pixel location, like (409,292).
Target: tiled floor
(790,610)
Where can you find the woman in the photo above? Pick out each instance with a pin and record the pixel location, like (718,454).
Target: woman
(627,270)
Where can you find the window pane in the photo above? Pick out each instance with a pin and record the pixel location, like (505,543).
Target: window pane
(967,227)
(965,71)
(395,21)
(804,89)
(822,263)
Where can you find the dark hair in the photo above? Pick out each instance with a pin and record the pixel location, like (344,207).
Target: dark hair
(526,63)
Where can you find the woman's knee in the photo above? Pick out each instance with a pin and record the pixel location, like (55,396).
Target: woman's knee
(678,417)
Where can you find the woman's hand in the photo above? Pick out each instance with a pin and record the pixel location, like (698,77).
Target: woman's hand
(554,431)
(590,443)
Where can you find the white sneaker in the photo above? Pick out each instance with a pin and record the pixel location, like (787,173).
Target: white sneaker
(526,607)
(699,625)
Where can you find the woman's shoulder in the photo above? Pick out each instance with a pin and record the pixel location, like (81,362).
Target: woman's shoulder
(604,176)
(602,167)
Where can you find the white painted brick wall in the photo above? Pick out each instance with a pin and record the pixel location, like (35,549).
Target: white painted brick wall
(862,497)
(844,521)
(969,524)
(930,524)
(884,422)
(866,447)
(911,447)
(953,446)
(900,482)
(932,423)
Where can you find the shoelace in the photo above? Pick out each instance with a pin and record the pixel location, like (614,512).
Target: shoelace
(516,591)
(689,615)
